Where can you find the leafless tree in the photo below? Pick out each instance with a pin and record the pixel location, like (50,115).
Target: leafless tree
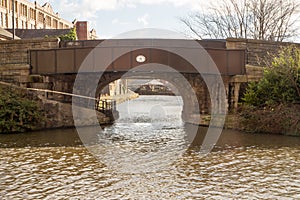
(257,19)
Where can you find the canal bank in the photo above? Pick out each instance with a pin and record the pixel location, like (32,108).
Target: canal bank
(280,120)
(26,109)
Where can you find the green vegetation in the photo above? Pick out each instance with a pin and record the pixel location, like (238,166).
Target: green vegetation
(272,104)
(18,113)
(71,36)
(281,81)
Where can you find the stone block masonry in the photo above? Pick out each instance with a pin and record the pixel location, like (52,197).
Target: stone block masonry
(59,115)
(256,50)
(15,58)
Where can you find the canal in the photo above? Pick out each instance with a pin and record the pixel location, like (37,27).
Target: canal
(145,155)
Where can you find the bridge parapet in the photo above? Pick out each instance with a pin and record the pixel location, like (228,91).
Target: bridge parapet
(68,60)
(256,50)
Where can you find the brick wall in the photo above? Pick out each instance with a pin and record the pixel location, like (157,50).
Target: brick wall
(256,49)
(14,57)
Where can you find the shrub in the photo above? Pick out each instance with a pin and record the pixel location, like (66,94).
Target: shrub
(281,81)
(70,36)
(17,112)
(271,105)
(281,119)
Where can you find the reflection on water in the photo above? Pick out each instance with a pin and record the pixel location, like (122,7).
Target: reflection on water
(55,165)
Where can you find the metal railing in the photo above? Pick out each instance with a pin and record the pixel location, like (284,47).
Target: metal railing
(107,106)
(104,106)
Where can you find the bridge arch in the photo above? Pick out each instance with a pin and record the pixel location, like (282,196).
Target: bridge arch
(191,60)
(189,96)
(120,58)
(162,64)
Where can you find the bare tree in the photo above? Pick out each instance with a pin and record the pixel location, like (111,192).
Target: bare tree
(257,19)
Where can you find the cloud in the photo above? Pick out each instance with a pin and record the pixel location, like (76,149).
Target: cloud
(89,8)
(193,4)
(143,19)
(96,5)
(115,21)
(119,22)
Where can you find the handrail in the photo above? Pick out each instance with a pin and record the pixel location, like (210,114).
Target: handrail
(63,93)
(105,106)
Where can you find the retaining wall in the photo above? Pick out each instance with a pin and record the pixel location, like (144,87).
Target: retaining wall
(14,57)
(256,50)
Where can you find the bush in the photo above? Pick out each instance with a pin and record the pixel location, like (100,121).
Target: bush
(281,119)
(281,81)
(271,105)
(71,36)
(17,112)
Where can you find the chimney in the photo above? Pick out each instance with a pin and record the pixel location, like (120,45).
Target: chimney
(82,30)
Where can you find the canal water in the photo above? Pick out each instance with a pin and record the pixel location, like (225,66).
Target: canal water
(145,155)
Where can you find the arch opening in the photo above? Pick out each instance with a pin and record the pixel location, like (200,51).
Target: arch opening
(155,103)
(184,85)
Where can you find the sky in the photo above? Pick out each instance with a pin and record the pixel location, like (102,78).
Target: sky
(113,17)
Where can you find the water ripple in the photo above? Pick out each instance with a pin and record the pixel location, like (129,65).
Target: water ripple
(48,173)
(240,167)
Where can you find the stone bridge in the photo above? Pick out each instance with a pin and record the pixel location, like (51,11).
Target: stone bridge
(199,74)
(51,64)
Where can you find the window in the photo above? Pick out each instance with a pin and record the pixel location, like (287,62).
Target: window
(1,21)
(55,23)
(23,9)
(16,7)
(3,3)
(41,17)
(32,14)
(48,21)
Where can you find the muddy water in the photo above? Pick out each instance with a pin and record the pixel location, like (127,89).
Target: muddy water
(55,164)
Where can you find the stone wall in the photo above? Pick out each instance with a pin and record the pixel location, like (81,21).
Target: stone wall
(14,57)
(59,115)
(256,50)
